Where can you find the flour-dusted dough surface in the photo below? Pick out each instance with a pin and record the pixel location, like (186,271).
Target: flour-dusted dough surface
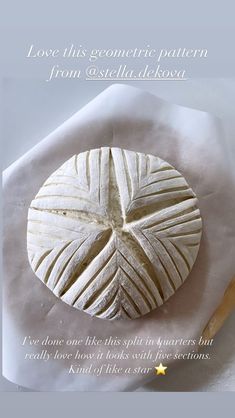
(114,232)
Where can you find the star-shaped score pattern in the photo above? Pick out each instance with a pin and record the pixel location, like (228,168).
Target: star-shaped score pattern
(114,232)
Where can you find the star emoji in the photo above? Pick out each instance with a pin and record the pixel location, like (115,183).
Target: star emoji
(160,369)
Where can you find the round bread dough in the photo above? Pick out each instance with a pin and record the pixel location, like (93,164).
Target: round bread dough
(114,232)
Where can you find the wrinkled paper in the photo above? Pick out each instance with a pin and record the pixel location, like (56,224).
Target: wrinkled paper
(126,117)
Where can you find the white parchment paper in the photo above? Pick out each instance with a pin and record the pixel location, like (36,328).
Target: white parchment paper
(121,116)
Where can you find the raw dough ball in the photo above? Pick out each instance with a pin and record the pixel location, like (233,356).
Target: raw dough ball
(114,232)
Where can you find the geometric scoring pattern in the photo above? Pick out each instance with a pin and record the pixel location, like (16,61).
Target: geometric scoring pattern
(114,232)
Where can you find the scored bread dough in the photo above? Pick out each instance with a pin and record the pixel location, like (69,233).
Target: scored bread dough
(114,232)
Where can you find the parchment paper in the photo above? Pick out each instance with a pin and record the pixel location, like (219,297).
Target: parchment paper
(121,116)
